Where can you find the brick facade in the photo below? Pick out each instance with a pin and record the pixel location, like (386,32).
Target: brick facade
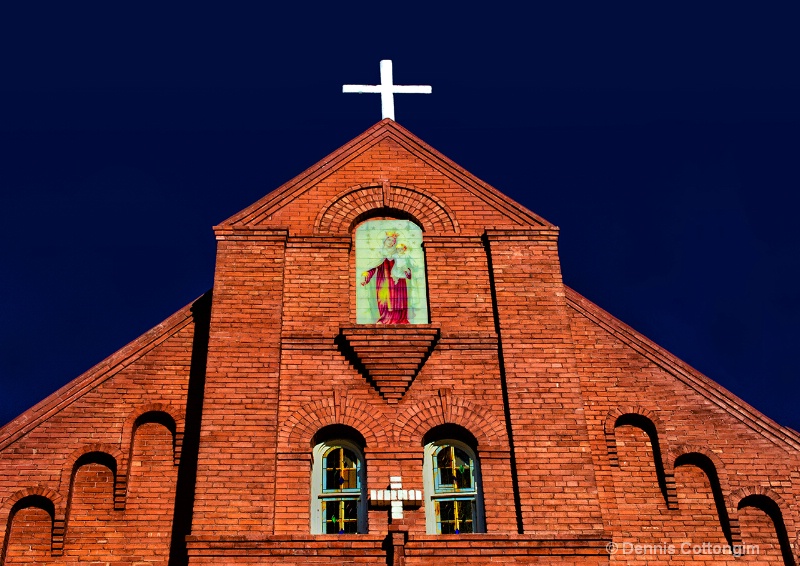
(193,444)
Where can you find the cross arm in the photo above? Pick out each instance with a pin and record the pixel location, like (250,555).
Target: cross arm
(412,89)
(361,88)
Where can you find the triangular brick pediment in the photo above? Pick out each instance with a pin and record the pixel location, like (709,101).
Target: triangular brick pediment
(373,172)
(390,357)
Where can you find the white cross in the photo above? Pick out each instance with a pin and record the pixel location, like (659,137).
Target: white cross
(387,89)
(396,496)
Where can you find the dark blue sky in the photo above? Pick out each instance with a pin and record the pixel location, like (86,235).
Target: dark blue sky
(664,142)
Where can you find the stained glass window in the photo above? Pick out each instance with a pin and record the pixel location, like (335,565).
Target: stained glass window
(390,273)
(453,504)
(338,491)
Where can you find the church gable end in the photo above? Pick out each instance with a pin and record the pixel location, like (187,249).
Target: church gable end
(386,167)
(91,472)
(391,370)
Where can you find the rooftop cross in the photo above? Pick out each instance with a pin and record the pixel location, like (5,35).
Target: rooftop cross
(387,89)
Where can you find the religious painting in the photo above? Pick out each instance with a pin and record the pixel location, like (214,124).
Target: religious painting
(390,273)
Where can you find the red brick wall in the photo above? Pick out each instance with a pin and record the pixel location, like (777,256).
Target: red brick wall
(236,463)
(96,453)
(703,445)
(614,440)
(29,541)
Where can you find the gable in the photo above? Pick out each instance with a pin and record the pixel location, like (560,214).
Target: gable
(138,364)
(387,169)
(653,378)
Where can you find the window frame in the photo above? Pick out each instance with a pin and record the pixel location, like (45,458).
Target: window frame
(319,495)
(434,495)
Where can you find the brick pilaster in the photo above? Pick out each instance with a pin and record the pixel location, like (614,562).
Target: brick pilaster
(551,452)
(236,462)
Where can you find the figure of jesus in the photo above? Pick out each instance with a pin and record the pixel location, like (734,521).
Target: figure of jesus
(390,277)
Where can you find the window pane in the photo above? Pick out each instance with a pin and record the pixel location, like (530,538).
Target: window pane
(446,516)
(350,515)
(465,515)
(341,470)
(444,462)
(340,516)
(455,516)
(453,470)
(348,475)
(462,469)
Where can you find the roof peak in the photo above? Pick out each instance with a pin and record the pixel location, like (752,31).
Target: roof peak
(385,128)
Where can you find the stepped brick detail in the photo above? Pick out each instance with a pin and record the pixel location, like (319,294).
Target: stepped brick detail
(389,357)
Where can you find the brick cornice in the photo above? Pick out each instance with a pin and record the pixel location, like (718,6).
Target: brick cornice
(716,394)
(588,543)
(507,234)
(248,233)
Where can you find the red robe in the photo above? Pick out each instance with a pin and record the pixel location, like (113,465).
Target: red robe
(392,296)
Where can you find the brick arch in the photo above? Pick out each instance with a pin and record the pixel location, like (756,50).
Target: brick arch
(615,416)
(412,424)
(714,468)
(299,429)
(789,525)
(156,411)
(341,212)
(649,422)
(114,452)
(737,496)
(682,450)
(36,492)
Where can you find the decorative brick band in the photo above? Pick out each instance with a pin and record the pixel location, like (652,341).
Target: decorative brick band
(345,209)
(287,545)
(247,233)
(510,234)
(435,547)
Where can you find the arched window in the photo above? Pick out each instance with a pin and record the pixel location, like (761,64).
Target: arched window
(338,490)
(390,277)
(453,502)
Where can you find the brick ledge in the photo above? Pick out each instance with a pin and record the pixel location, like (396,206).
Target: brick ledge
(590,543)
